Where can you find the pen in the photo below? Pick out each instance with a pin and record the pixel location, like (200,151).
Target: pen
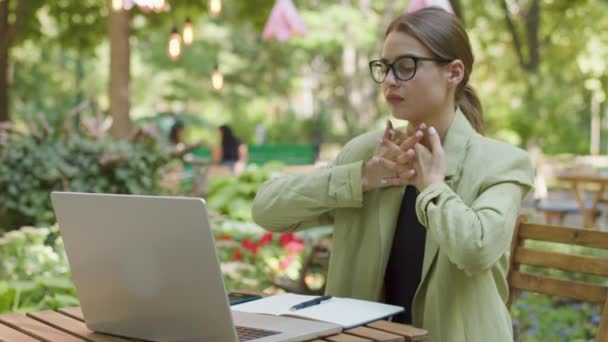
(311,302)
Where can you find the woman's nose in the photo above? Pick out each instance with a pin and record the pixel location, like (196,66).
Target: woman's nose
(390,78)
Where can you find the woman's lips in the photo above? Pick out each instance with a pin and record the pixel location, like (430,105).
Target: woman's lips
(393,98)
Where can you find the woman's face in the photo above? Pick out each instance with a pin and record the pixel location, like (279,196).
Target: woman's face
(422,96)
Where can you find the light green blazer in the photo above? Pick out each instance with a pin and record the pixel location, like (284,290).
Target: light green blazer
(470,220)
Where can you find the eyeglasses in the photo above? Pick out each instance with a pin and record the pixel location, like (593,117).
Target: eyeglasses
(404,67)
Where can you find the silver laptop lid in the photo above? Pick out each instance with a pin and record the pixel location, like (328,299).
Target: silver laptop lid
(145,266)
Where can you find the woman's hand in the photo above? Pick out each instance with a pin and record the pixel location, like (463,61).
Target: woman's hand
(430,165)
(391,164)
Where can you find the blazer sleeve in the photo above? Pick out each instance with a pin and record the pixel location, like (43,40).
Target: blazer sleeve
(474,237)
(299,201)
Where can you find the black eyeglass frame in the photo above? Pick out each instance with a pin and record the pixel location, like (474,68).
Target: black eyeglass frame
(390,66)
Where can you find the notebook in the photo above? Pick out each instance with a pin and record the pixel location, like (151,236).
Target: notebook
(346,312)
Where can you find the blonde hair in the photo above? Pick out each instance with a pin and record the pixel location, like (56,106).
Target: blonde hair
(443,34)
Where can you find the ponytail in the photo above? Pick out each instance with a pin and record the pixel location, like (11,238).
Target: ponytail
(471,107)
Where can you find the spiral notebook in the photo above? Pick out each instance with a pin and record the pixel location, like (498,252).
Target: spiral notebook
(346,312)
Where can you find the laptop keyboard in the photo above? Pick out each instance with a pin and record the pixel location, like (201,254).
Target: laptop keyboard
(248,334)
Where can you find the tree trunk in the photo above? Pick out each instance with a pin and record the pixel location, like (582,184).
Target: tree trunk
(119,30)
(595,125)
(4,47)
(4,86)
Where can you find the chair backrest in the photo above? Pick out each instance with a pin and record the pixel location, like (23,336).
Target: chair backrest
(525,255)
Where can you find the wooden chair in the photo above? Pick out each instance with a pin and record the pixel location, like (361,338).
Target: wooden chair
(524,255)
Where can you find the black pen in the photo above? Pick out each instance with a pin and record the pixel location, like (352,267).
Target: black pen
(311,302)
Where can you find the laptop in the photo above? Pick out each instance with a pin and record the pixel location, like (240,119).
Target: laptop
(146,267)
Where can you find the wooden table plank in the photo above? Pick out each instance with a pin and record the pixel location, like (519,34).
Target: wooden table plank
(37,329)
(411,333)
(72,326)
(75,313)
(9,334)
(346,338)
(375,335)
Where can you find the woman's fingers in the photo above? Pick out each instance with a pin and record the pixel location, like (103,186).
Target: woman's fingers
(402,179)
(412,140)
(391,150)
(407,157)
(436,147)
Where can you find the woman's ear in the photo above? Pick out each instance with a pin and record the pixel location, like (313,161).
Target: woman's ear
(455,72)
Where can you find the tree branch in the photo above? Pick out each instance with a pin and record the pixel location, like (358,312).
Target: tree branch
(4,43)
(67,123)
(516,40)
(532,24)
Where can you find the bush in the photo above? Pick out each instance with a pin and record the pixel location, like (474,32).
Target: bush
(34,273)
(30,170)
(233,196)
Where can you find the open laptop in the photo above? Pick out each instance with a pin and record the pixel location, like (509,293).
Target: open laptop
(146,267)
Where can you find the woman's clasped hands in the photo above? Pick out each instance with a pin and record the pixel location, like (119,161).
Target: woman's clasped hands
(403,158)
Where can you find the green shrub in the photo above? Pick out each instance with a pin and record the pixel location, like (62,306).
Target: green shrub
(34,273)
(233,196)
(30,170)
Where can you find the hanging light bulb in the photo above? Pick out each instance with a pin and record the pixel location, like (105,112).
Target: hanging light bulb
(188,32)
(215,7)
(217,80)
(117,5)
(174,49)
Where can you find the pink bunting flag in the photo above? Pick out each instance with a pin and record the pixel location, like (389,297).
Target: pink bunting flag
(284,21)
(147,5)
(416,5)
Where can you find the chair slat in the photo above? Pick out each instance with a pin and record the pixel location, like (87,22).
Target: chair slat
(9,334)
(575,236)
(37,329)
(602,333)
(410,333)
(375,335)
(565,262)
(72,326)
(558,287)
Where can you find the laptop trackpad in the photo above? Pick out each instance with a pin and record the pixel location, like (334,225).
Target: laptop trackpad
(292,329)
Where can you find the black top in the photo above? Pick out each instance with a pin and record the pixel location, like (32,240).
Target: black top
(404,268)
(230,150)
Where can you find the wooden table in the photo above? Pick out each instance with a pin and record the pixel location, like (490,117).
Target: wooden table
(577,180)
(67,325)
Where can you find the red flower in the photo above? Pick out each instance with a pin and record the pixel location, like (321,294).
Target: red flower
(294,246)
(287,261)
(265,239)
(286,238)
(250,246)
(238,255)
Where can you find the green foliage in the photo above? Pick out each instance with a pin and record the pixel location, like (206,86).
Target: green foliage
(543,318)
(233,196)
(29,171)
(34,273)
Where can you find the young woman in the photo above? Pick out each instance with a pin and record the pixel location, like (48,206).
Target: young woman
(232,152)
(422,218)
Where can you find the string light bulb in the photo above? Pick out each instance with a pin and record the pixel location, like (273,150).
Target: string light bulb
(188,34)
(215,7)
(117,5)
(174,48)
(217,80)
